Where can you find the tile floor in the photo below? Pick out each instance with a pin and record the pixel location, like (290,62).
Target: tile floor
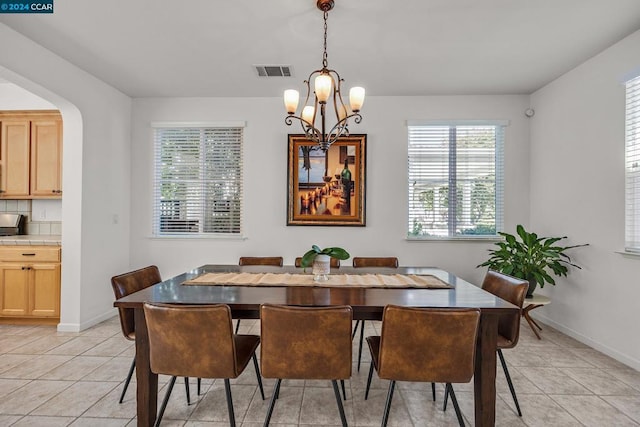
(59,379)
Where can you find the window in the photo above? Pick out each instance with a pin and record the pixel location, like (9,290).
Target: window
(632,167)
(197,180)
(456,180)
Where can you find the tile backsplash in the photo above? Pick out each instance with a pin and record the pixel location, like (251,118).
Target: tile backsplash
(32,227)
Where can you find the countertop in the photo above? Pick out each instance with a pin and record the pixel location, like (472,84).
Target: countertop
(31,240)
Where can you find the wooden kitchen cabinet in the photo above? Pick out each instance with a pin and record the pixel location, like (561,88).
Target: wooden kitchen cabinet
(46,158)
(30,155)
(30,284)
(14,154)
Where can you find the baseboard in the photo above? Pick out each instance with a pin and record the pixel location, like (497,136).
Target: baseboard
(78,327)
(620,357)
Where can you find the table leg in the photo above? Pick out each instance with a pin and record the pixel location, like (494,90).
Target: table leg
(147,386)
(529,319)
(484,379)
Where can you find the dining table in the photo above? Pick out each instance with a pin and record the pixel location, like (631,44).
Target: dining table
(367,304)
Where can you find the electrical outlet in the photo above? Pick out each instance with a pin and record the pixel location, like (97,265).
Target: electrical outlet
(43,214)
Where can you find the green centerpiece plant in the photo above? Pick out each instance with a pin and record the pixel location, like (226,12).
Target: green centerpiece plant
(310,256)
(533,258)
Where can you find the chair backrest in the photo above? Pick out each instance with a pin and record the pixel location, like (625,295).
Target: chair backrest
(428,344)
(305,342)
(128,283)
(333,262)
(261,260)
(375,262)
(191,341)
(510,289)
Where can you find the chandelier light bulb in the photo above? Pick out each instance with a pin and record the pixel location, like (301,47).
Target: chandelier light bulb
(356,98)
(307,114)
(323,84)
(291,97)
(342,112)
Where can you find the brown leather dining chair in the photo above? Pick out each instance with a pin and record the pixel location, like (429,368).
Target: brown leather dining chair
(333,262)
(318,348)
(123,285)
(276,261)
(513,290)
(361,262)
(198,341)
(261,260)
(424,345)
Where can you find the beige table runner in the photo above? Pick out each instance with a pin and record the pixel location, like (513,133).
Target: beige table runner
(335,280)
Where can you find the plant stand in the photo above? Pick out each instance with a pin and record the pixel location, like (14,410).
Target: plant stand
(529,304)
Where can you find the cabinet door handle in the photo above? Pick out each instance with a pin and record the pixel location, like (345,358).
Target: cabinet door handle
(28,254)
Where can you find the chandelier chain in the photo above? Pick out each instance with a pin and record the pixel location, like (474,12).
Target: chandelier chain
(325,62)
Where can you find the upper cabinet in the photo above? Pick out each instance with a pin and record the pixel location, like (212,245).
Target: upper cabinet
(30,155)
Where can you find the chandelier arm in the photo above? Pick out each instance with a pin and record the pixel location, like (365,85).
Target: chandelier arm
(309,130)
(342,124)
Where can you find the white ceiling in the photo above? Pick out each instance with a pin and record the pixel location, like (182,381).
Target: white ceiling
(155,48)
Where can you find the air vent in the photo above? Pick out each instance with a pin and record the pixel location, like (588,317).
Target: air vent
(273,70)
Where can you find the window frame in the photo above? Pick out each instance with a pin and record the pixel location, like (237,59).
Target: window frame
(632,161)
(500,126)
(156,206)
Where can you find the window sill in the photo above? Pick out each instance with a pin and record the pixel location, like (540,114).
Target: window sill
(628,254)
(465,239)
(196,237)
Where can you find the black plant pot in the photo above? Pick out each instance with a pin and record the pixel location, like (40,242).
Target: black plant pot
(532,288)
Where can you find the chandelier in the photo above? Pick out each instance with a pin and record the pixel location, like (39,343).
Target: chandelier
(325,100)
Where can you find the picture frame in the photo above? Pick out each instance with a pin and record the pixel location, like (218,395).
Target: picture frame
(315,185)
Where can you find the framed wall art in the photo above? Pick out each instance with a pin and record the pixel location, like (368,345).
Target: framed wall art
(326,188)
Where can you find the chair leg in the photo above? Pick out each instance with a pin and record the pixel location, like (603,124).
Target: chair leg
(433,391)
(366,393)
(199,385)
(255,365)
(339,401)
(186,388)
(387,406)
(344,392)
(361,340)
(128,380)
(455,404)
(272,403)
(506,374)
(237,326)
(227,389)
(355,329)
(172,382)
(446,398)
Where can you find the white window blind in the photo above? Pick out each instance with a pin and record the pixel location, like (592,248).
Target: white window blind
(198,180)
(632,166)
(461,162)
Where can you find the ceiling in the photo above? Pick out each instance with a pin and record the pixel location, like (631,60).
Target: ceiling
(152,48)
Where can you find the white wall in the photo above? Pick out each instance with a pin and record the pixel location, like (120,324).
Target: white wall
(577,189)
(265,179)
(96,174)
(14,97)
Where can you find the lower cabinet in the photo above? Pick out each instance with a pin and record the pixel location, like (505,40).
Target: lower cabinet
(29,284)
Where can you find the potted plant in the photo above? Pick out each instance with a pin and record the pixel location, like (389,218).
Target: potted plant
(319,258)
(533,258)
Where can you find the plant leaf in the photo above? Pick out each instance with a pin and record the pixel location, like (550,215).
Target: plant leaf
(307,258)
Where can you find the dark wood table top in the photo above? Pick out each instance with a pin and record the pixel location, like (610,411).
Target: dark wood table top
(249,298)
